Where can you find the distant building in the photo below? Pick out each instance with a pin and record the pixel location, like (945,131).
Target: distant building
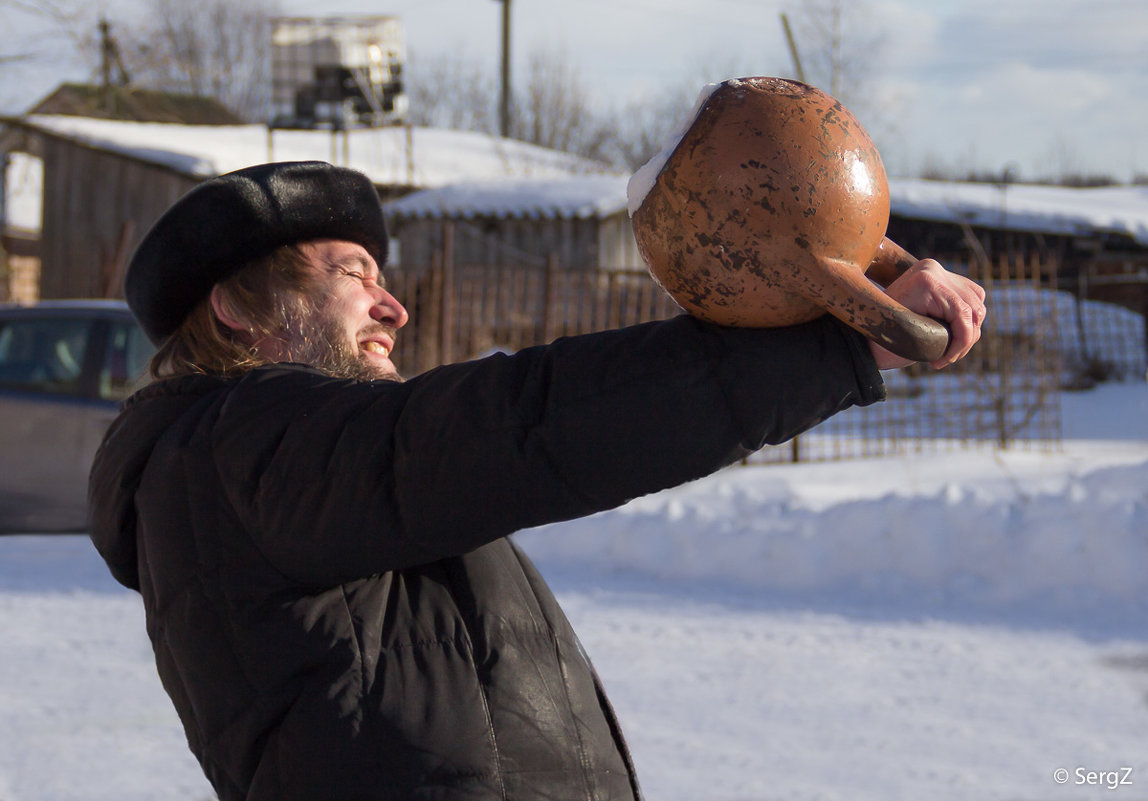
(944,219)
(574,223)
(1097,237)
(133,104)
(337,72)
(20,237)
(104,182)
(22,173)
(1091,242)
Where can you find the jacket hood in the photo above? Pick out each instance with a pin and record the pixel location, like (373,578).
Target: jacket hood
(121,460)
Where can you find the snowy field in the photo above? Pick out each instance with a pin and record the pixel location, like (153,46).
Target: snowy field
(952,627)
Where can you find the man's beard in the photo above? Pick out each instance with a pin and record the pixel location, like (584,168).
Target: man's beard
(316,339)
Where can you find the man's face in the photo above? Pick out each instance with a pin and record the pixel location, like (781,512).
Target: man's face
(350,320)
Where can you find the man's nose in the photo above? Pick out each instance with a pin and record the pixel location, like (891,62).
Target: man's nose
(388,311)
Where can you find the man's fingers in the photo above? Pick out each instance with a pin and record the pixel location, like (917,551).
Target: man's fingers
(963,308)
(958,301)
(929,289)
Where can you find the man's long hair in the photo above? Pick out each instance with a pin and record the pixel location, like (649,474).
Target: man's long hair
(269,294)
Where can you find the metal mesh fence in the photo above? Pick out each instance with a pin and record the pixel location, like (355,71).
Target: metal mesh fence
(1004,393)
(1101,342)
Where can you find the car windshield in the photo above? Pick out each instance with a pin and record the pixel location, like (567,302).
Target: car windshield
(43,354)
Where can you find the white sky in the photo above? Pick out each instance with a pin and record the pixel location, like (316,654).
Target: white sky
(1044,86)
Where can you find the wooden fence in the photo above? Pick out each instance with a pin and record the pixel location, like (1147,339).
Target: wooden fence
(463,311)
(1005,393)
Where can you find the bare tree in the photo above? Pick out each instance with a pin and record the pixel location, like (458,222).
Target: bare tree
(38,33)
(215,48)
(59,16)
(453,91)
(644,125)
(839,48)
(1066,167)
(554,109)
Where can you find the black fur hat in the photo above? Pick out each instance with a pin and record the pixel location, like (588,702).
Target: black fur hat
(229,221)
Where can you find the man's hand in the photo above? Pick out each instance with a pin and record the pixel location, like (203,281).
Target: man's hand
(928,288)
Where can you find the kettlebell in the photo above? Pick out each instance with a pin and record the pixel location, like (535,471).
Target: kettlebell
(771,209)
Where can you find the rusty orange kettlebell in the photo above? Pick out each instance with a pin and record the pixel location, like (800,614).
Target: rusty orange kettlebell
(770,210)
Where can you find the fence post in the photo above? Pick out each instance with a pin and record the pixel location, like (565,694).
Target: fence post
(429,322)
(446,298)
(1004,361)
(1144,312)
(548,294)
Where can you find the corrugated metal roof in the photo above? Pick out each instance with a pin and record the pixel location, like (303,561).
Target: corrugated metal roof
(585,196)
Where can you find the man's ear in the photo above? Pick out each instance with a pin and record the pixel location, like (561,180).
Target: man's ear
(227,315)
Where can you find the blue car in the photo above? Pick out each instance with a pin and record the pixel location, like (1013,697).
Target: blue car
(65,367)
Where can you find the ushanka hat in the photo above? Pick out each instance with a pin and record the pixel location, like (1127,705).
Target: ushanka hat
(229,221)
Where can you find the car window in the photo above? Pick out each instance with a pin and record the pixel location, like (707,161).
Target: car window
(125,363)
(43,354)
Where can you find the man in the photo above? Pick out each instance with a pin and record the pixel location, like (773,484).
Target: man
(322,548)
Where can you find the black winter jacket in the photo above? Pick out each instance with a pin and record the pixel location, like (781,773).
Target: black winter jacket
(335,608)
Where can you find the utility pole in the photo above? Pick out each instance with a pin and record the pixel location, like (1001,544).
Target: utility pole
(105,55)
(504,100)
(109,60)
(792,47)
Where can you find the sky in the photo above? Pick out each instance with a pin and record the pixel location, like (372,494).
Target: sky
(1038,87)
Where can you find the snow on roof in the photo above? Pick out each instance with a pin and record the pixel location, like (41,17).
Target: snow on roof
(1046,209)
(1026,207)
(583,196)
(467,174)
(392,156)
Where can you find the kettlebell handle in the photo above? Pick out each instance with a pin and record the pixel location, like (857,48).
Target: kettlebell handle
(910,335)
(890,263)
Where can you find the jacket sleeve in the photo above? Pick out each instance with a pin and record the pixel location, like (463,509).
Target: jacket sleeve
(337,480)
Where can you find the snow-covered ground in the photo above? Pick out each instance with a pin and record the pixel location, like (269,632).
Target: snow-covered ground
(956,627)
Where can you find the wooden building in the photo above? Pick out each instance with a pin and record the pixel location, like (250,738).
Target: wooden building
(82,178)
(504,204)
(575,223)
(136,104)
(105,182)
(94,205)
(1094,239)
(1092,243)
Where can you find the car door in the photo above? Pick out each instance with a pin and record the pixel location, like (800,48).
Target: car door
(121,368)
(46,400)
